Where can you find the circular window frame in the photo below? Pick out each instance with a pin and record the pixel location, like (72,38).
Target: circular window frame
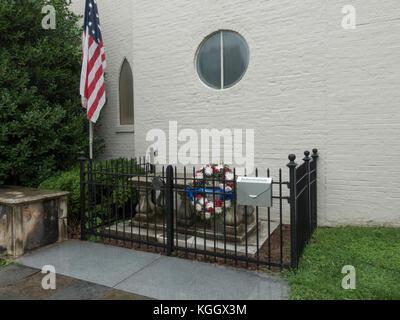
(196,59)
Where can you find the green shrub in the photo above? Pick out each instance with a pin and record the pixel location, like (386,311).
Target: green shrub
(42,124)
(104,191)
(66,181)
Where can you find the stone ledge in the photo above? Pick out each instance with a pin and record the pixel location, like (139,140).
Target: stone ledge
(31,218)
(22,195)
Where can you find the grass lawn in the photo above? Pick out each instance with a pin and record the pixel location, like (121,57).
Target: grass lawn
(374,252)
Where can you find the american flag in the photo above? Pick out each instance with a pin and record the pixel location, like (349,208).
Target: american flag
(93,63)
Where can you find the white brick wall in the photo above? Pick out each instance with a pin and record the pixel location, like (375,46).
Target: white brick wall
(310,83)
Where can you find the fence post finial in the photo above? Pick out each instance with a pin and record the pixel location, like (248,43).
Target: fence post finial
(307,156)
(292,157)
(81,156)
(315,154)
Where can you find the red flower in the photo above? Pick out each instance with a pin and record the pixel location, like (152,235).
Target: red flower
(198,196)
(231,184)
(210,209)
(216,171)
(218,203)
(226,170)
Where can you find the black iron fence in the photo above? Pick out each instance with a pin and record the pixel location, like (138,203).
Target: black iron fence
(303,202)
(195,212)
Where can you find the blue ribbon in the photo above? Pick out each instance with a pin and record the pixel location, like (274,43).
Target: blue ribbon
(193,192)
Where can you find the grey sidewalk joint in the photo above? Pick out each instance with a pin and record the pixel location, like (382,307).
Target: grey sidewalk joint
(153,275)
(14,273)
(144,267)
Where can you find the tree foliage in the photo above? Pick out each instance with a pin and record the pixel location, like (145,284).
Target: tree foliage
(42,126)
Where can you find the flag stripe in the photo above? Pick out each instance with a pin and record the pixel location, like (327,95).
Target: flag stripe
(94,67)
(96,112)
(92,86)
(95,104)
(84,65)
(95,77)
(96,88)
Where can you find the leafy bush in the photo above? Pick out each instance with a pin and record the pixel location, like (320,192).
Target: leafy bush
(105,188)
(42,125)
(66,181)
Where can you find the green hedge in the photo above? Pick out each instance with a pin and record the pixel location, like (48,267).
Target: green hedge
(112,197)
(42,123)
(66,181)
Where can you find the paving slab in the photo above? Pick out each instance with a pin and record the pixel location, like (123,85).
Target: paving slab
(122,295)
(32,287)
(81,290)
(6,295)
(92,262)
(14,273)
(151,275)
(176,279)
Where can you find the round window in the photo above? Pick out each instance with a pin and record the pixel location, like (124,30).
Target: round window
(222,59)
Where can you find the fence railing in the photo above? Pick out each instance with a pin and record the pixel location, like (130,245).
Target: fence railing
(195,213)
(303,202)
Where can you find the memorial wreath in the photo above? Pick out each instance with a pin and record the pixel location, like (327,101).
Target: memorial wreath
(211,191)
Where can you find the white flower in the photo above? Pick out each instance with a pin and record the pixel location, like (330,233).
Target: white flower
(228,203)
(227,188)
(207,215)
(229,176)
(218,210)
(210,205)
(208,171)
(199,207)
(202,200)
(199,175)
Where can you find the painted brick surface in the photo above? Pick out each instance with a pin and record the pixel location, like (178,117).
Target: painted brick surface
(310,83)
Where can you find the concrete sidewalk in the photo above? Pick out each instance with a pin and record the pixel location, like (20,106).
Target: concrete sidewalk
(155,276)
(18,282)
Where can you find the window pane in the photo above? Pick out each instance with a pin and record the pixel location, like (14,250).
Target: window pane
(209,61)
(236,58)
(126,95)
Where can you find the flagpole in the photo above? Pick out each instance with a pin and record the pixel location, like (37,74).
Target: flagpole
(91,98)
(90,140)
